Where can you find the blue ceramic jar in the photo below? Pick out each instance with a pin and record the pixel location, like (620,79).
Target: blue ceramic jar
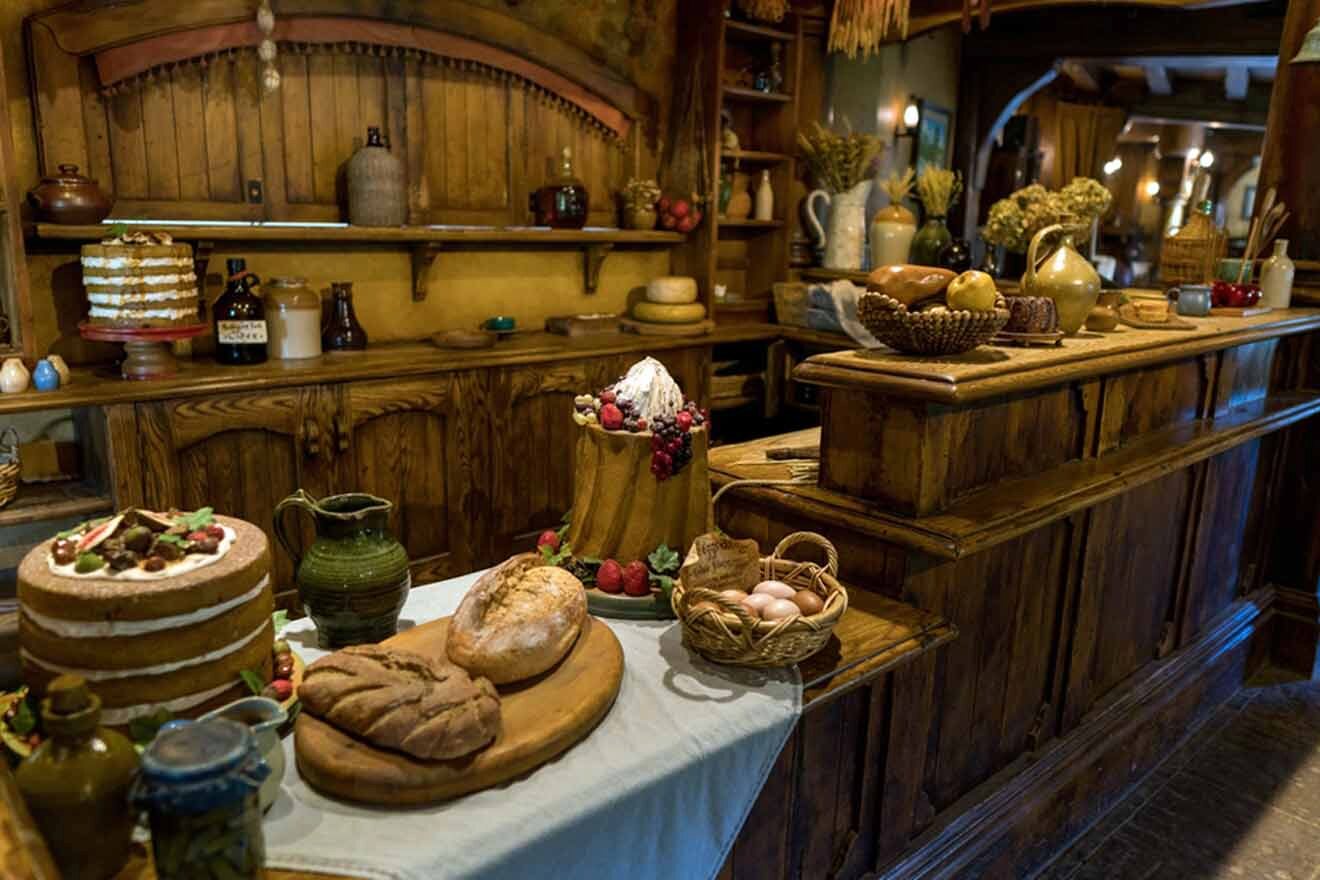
(45,377)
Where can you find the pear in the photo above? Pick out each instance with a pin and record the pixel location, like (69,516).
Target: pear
(972,291)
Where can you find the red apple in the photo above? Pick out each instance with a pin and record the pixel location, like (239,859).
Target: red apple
(679,209)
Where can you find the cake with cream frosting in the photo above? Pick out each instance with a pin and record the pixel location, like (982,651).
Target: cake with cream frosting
(139,280)
(155,610)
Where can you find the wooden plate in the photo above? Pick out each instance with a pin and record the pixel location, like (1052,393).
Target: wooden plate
(539,719)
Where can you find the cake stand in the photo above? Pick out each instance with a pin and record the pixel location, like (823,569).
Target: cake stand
(147,351)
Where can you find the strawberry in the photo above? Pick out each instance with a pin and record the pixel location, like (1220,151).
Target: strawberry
(549,538)
(611,417)
(684,419)
(637,579)
(609,577)
(680,208)
(280,690)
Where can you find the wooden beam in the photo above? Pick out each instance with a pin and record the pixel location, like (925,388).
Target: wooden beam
(1237,79)
(1157,79)
(1204,101)
(1081,75)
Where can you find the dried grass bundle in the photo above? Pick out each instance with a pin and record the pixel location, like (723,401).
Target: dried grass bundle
(764,10)
(938,189)
(863,25)
(899,186)
(838,162)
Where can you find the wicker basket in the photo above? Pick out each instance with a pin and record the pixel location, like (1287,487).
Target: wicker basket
(10,465)
(1190,257)
(929,333)
(723,631)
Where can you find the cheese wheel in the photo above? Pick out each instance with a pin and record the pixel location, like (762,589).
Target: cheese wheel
(658,313)
(672,290)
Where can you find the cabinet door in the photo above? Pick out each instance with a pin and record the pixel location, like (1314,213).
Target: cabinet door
(420,443)
(532,445)
(239,453)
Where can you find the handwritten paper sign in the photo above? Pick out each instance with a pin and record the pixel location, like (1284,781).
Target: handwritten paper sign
(717,562)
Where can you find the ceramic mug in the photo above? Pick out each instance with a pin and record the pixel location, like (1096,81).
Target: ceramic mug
(1192,300)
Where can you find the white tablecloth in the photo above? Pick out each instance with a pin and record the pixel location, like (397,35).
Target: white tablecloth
(658,790)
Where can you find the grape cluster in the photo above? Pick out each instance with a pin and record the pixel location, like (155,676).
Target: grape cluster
(671,441)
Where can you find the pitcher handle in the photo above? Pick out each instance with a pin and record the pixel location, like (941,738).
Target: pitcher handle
(299,500)
(1030,277)
(811,214)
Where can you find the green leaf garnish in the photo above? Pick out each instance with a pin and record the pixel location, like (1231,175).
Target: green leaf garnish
(167,538)
(666,585)
(253,681)
(278,621)
(118,229)
(24,720)
(198,519)
(553,557)
(143,729)
(663,560)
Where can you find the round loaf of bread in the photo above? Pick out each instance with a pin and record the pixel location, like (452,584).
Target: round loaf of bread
(518,620)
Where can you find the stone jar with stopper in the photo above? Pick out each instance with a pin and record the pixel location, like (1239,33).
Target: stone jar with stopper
(893,226)
(377,185)
(76,784)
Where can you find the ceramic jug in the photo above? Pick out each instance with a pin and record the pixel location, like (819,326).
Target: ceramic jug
(1276,277)
(14,377)
(1064,276)
(377,185)
(892,229)
(354,578)
(847,226)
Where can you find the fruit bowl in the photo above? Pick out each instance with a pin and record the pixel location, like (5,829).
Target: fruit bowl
(931,333)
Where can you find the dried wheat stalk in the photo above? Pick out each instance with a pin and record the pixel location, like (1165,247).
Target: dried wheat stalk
(938,189)
(862,25)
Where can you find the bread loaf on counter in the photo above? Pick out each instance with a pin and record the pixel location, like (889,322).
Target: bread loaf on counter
(518,620)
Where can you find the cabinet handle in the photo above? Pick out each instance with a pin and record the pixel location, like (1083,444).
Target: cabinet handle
(341,433)
(311,438)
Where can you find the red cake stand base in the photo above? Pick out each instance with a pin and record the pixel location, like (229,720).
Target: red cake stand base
(147,352)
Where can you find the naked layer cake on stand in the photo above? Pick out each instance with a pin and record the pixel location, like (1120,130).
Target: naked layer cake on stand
(140,280)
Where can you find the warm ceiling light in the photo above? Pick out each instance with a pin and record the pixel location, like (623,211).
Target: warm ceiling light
(911,114)
(1207,159)
(1112,166)
(1193,153)
(1152,188)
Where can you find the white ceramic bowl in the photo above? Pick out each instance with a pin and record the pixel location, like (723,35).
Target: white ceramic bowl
(672,290)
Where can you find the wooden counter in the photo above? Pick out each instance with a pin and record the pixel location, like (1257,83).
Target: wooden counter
(1105,523)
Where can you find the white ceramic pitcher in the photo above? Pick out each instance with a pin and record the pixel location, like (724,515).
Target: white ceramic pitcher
(847,226)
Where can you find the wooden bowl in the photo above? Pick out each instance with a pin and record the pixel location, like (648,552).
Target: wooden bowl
(929,333)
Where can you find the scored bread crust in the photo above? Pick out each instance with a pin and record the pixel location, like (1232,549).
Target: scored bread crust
(404,701)
(518,620)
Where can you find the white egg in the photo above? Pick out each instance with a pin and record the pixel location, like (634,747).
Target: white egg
(781,608)
(778,589)
(734,595)
(757,602)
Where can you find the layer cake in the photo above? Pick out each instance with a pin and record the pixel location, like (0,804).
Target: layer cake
(149,633)
(139,280)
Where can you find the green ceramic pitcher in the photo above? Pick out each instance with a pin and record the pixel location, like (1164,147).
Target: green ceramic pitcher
(354,578)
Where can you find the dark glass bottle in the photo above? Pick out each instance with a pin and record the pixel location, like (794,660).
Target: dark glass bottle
(240,319)
(343,333)
(562,203)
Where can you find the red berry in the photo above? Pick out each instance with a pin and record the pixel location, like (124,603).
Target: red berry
(198,536)
(687,224)
(679,209)
(611,417)
(664,460)
(657,443)
(641,424)
(637,579)
(668,221)
(674,446)
(609,577)
(684,419)
(216,532)
(608,396)
(549,538)
(283,689)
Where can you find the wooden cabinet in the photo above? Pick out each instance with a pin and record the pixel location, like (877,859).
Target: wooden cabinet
(239,453)
(420,443)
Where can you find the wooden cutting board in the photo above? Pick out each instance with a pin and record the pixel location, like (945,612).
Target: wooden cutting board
(540,719)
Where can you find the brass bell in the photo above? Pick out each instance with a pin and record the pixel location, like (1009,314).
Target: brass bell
(1310,52)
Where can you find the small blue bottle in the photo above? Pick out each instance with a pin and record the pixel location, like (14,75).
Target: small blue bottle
(45,377)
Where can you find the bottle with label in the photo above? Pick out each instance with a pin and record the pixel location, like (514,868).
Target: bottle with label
(240,319)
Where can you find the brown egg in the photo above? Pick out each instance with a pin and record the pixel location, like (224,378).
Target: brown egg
(734,595)
(808,602)
(756,603)
(779,609)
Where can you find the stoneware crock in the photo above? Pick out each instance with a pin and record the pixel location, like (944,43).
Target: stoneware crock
(354,578)
(69,198)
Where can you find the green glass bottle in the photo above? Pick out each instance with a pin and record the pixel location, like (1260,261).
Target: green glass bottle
(929,241)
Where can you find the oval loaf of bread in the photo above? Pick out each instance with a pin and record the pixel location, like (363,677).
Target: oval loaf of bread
(404,701)
(518,620)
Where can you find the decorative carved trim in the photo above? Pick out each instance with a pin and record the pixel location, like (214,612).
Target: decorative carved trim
(131,65)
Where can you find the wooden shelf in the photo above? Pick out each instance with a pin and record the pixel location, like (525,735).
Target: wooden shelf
(756,157)
(37,502)
(749,31)
(718,404)
(818,274)
(752,225)
(742,93)
(426,242)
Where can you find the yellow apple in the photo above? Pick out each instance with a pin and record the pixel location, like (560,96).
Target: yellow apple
(971,291)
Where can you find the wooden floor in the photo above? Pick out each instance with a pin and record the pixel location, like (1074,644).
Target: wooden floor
(1239,799)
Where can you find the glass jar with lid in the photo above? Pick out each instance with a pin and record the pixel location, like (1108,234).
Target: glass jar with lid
(199,786)
(293,314)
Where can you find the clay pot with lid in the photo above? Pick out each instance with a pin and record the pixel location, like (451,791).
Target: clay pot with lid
(69,198)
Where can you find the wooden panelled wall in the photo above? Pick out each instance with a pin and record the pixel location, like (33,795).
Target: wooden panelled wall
(190,141)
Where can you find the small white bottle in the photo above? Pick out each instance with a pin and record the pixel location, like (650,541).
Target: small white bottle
(765,198)
(1276,277)
(14,377)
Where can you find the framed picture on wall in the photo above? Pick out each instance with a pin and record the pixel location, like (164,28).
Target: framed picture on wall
(932,143)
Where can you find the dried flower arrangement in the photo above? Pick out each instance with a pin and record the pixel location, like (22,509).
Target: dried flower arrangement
(1015,219)
(640,195)
(764,10)
(938,189)
(838,162)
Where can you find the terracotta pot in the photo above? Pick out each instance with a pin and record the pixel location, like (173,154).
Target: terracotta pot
(69,198)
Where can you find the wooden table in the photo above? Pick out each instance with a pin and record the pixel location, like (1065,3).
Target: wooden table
(1098,521)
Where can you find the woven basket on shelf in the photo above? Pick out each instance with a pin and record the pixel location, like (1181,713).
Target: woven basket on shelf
(10,466)
(1190,256)
(724,631)
(930,332)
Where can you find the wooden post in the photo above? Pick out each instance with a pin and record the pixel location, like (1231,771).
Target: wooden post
(1288,158)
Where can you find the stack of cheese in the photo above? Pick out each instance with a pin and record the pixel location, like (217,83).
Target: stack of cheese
(671,302)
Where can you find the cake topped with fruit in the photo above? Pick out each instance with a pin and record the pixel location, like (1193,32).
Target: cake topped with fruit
(159,611)
(641,487)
